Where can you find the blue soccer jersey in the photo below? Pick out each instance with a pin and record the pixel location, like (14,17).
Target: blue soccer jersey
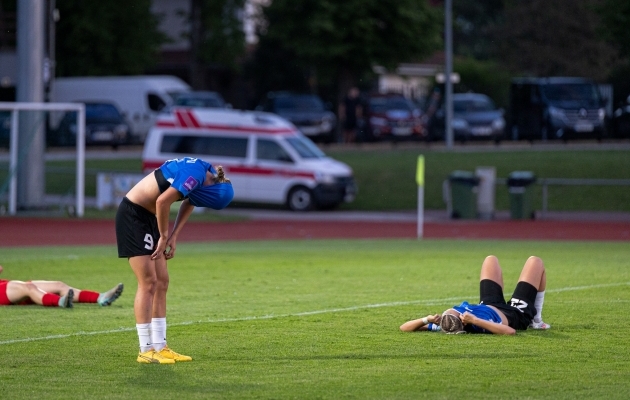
(185,174)
(481,311)
(188,174)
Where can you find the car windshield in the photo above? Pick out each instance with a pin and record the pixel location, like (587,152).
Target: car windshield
(472,105)
(570,92)
(299,103)
(305,147)
(102,112)
(384,104)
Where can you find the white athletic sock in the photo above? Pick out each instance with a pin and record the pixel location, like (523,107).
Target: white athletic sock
(540,299)
(158,333)
(144,336)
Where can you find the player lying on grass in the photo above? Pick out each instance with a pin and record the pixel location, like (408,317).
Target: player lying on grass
(52,294)
(142,233)
(493,314)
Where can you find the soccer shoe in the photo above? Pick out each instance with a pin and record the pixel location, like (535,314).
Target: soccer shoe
(166,352)
(539,325)
(153,357)
(107,298)
(66,301)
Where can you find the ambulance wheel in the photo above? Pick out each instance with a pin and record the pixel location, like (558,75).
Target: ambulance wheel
(300,199)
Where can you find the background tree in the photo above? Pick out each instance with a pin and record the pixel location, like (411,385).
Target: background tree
(551,38)
(217,40)
(337,42)
(615,20)
(114,37)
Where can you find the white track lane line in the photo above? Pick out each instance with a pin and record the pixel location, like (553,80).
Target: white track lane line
(300,314)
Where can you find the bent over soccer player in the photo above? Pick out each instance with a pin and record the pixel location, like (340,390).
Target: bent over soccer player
(493,314)
(52,294)
(142,233)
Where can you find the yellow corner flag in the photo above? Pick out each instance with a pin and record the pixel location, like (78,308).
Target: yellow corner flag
(420,171)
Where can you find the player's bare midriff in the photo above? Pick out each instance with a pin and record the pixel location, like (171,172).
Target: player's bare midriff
(504,320)
(145,193)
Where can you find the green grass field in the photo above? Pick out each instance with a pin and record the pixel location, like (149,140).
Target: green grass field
(319,319)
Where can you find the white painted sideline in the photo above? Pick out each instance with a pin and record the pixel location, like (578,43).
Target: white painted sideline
(448,300)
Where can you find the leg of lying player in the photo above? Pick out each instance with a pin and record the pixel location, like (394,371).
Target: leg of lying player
(18,292)
(534,273)
(81,296)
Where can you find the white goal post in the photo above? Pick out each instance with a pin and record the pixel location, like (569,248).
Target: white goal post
(13,147)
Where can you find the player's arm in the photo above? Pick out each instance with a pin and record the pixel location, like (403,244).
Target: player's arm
(420,324)
(0,269)
(162,211)
(185,209)
(496,328)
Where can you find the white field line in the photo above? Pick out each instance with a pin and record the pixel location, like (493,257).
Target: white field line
(448,300)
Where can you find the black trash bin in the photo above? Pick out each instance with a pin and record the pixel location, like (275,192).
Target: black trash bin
(520,190)
(463,194)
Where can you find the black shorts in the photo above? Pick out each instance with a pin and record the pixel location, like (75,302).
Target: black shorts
(137,230)
(519,311)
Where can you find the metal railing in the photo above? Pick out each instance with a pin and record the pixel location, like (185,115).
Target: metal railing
(544,183)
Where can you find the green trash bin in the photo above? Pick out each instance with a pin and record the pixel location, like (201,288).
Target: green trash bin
(520,190)
(463,194)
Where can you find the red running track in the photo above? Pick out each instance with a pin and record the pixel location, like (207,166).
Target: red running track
(21,232)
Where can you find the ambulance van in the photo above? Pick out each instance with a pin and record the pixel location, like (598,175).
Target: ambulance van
(266,157)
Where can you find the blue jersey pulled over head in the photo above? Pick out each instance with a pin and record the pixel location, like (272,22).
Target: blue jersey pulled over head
(481,311)
(187,176)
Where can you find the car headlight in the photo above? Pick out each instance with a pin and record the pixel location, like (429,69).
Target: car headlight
(324,178)
(556,113)
(459,123)
(121,129)
(498,124)
(378,121)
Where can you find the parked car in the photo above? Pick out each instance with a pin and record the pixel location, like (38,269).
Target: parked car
(392,116)
(475,117)
(104,125)
(200,99)
(306,111)
(140,98)
(621,121)
(556,108)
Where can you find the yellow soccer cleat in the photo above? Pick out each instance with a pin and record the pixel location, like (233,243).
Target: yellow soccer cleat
(169,354)
(153,357)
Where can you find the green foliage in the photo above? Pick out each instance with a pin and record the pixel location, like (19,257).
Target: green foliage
(114,37)
(615,16)
(222,36)
(544,38)
(487,77)
(319,319)
(350,37)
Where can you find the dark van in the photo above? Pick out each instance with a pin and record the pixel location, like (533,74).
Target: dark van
(556,108)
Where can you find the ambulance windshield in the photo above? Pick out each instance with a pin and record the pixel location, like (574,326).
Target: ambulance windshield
(305,147)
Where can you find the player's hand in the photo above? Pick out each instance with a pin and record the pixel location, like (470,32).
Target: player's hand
(159,249)
(169,252)
(434,318)
(467,318)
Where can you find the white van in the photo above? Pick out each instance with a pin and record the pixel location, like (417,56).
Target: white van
(139,98)
(267,159)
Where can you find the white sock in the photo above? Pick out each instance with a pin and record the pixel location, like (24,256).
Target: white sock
(158,333)
(144,336)
(540,299)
